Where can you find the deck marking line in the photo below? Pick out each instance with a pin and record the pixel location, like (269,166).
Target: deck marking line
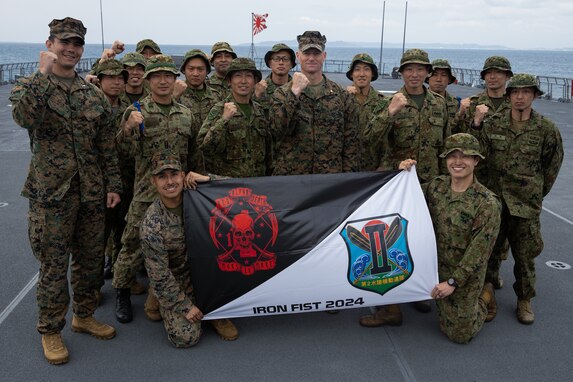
(405,369)
(558,216)
(6,312)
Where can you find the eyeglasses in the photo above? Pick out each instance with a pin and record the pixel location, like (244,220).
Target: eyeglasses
(281,58)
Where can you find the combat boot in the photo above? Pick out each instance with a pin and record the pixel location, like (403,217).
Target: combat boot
(107,268)
(151,307)
(55,350)
(525,312)
(137,288)
(497,282)
(123,311)
(423,306)
(386,315)
(488,297)
(98,296)
(91,326)
(225,329)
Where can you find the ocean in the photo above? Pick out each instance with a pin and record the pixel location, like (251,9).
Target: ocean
(540,63)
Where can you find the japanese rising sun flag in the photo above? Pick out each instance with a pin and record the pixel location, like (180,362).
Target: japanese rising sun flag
(259,23)
(290,244)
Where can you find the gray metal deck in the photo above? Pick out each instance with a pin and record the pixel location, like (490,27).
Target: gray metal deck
(308,347)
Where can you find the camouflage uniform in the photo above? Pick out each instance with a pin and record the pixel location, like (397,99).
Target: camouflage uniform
(452,103)
(265,99)
(165,255)
(371,154)
(523,163)
(172,132)
(412,133)
(466,225)
(218,85)
(147,43)
(240,147)
(73,164)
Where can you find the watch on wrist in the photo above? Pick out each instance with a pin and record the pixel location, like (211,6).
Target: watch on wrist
(452,282)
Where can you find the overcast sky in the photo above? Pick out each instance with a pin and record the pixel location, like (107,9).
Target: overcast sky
(521,24)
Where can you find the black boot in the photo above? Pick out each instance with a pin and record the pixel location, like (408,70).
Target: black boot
(107,268)
(123,311)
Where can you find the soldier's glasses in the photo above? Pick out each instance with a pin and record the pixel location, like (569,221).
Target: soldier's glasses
(281,58)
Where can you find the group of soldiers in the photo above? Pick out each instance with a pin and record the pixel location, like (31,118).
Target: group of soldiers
(110,161)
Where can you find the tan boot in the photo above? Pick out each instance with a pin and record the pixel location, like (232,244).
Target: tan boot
(497,282)
(151,307)
(386,315)
(525,312)
(488,297)
(55,350)
(99,297)
(137,288)
(91,326)
(225,329)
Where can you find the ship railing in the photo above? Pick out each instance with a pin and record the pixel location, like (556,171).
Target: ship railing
(556,88)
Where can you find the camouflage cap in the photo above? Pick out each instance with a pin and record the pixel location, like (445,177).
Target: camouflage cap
(133,58)
(415,56)
(311,39)
(196,53)
(222,46)
(466,143)
(244,63)
(277,48)
(164,161)
(147,42)
(524,80)
(160,63)
(366,59)
(496,62)
(67,28)
(442,64)
(111,68)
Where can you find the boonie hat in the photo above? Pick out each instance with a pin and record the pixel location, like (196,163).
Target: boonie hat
(466,143)
(277,48)
(147,42)
(415,56)
(244,63)
(111,68)
(364,58)
(160,62)
(222,46)
(196,53)
(496,62)
(524,80)
(133,58)
(442,64)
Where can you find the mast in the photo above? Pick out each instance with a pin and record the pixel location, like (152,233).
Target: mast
(405,19)
(101,23)
(380,68)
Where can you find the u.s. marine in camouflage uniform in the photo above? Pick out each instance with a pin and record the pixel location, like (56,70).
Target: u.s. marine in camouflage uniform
(414,122)
(165,256)
(235,139)
(362,71)
(314,121)
(73,170)
(280,59)
(525,152)
(161,125)
(221,56)
(466,224)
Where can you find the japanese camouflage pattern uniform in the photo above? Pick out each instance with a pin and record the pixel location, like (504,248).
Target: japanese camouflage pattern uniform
(241,146)
(73,165)
(220,86)
(316,133)
(370,154)
(523,163)
(465,125)
(165,256)
(147,43)
(466,226)
(198,101)
(173,132)
(452,103)
(265,99)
